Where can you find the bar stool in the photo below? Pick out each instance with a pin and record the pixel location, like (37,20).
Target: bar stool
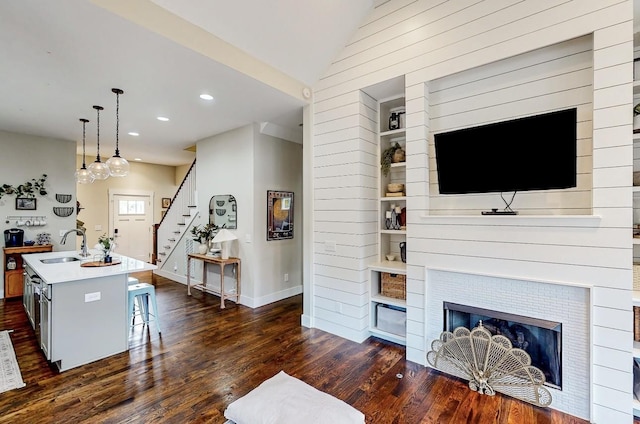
(137,303)
(140,293)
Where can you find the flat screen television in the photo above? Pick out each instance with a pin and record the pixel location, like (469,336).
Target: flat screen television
(531,153)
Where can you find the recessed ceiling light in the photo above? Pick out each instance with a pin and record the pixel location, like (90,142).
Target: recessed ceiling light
(162,118)
(206,97)
(137,159)
(135,134)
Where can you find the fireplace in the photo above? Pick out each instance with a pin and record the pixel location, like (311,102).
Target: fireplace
(541,339)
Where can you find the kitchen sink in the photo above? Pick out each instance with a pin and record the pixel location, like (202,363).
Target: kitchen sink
(60,260)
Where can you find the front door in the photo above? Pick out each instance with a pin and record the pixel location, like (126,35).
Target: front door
(132,225)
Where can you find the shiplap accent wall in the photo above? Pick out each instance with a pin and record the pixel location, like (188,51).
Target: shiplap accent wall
(548,79)
(429,40)
(345,211)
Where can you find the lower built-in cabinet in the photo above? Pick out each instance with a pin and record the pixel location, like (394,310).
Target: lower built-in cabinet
(13,268)
(388,323)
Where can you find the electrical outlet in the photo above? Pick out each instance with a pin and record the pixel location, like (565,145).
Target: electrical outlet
(92,297)
(97,227)
(329,246)
(286,277)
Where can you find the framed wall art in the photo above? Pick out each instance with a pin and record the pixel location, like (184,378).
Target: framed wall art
(166,202)
(279,215)
(25,204)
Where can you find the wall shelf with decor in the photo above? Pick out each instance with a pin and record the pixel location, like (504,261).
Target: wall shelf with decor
(387,275)
(392,178)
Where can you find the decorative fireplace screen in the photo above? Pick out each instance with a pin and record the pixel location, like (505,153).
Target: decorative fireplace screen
(490,364)
(541,339)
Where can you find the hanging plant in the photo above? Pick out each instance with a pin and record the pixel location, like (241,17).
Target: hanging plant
(387,157)
(29,189)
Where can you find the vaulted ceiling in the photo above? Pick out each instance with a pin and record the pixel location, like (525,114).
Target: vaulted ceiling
(255,57)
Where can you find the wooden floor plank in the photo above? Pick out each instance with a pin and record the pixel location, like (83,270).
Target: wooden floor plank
(208,357)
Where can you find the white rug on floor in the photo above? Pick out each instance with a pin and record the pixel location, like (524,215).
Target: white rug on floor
(10,377)
(283,399)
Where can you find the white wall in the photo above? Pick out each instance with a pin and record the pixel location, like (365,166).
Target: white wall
(278,166)
(245,163)
(26,157)
(424,42)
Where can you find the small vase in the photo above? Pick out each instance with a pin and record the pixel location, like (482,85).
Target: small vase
(108,259)
(202,248)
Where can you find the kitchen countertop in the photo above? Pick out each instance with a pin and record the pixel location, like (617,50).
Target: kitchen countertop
(72,271)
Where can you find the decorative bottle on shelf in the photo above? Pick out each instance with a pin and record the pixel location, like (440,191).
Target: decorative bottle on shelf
(387,220)
(396,118)
(395,217)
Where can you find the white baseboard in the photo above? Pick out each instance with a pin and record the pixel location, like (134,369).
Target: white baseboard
(244,300)
(171,276)
(270,298)
(306,321)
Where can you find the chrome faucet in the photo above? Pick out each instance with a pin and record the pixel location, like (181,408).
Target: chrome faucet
(84,252)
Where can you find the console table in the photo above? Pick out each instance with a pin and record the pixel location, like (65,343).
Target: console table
(221,263)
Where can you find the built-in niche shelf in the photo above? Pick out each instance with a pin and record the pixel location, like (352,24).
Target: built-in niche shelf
(551,220)
(399,131)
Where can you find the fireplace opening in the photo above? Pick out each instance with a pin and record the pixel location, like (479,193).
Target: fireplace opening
(541,339)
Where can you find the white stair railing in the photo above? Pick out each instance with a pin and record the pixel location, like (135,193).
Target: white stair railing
(177,219)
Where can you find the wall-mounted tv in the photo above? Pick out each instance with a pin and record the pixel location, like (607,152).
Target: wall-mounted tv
(531,153)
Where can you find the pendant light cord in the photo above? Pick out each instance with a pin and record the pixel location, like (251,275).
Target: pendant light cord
(117,123)
(84,123)
(98,108)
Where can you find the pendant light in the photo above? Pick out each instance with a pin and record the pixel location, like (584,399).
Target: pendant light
(118,167)
(99,170)
(83,176)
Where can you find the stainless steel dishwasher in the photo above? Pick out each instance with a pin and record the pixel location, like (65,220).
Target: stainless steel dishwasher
(44,333)
(32,289)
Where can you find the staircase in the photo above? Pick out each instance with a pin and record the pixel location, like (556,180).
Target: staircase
(177,220)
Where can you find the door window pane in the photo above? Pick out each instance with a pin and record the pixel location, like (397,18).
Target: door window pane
(131,207)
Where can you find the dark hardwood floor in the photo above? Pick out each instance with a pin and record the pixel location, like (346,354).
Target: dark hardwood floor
(208,357)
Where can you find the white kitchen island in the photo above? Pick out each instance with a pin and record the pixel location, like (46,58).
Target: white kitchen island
(83,310)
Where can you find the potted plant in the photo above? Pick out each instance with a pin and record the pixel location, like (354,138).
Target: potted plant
(203,234)
(106,244)
(392,154)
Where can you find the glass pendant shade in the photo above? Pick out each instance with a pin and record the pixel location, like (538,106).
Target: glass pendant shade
(118,166)
(99,170)
(82,175)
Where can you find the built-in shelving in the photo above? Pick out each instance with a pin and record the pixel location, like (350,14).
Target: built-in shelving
(388,239)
